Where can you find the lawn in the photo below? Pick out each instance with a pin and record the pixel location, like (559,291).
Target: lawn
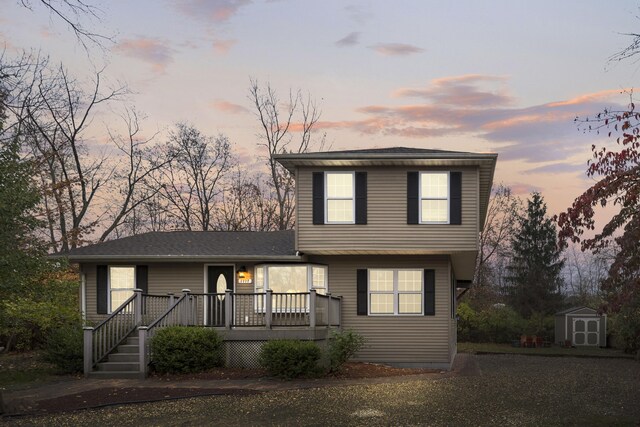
(490,348)
(505,390)
(23,368)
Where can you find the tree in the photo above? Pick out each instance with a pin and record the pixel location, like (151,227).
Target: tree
(617,170)
(534,270)
(192,182)
(501,223)
(277,123)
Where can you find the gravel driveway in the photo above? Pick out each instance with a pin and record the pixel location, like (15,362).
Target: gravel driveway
(509,390)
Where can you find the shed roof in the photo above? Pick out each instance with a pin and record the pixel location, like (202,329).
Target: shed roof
(192,245)
(572,309)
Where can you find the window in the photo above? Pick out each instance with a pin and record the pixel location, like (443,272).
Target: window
(395,292)
(290,279)
(339,203)
(122,282)
(434,197)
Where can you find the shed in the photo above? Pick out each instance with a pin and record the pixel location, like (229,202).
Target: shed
(581,326)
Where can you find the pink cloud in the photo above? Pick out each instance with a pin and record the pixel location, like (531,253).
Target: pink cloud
(223,46)
(229,107)
(210,10)
(462,105)
(396,49)
(523,189)
(153,51)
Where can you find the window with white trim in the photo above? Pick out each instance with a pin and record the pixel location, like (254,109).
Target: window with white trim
(396,292)
(340,197)
(122,282)
(434,197)
(290,279)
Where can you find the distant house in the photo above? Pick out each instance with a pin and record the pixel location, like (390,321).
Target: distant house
(382,239)
(581,326)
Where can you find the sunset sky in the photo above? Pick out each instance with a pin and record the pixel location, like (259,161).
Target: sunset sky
(499,76)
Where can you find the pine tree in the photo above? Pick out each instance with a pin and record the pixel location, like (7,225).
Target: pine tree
(533,277)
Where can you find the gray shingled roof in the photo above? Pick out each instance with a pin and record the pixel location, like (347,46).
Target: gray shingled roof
(193,244)
(393,150)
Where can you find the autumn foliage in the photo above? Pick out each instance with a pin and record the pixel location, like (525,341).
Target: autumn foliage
(617,171)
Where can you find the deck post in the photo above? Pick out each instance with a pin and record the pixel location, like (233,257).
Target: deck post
(268,308)
(184,312)
(328,294)
(171,299)
(88,349)
(312,308)
(137,307)
(228,306)
(142,351)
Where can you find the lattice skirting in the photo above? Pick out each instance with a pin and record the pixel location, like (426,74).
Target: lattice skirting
(244,354)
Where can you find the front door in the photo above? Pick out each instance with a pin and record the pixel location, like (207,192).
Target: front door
(219,279)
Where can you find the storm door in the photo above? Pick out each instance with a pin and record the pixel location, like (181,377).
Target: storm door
(219,279)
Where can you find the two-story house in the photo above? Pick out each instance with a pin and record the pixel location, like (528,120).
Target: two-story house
(383,238)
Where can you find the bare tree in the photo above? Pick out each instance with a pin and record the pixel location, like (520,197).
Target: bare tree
(194,179)
(278,123)
(74,13)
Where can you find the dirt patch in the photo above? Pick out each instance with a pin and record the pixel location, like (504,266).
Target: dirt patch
(214,374)
(123,395)
(355,370)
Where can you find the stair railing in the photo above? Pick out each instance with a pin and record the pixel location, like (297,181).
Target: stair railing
(181,313)
(101,340)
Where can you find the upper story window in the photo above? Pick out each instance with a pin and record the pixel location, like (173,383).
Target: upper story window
(340,197)
(434,197)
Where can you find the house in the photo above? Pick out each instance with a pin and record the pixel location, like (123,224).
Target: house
(383,238)
(581,326)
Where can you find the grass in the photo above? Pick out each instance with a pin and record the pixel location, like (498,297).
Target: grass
(23,368)
(491,348)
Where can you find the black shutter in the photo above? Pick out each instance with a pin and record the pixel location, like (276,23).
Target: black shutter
(318,198)
(455,202)
(429,292)
(102,285)
(361,197)
(412,197)
(362,290)
(142,278)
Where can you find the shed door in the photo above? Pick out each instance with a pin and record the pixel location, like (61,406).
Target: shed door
(586,331)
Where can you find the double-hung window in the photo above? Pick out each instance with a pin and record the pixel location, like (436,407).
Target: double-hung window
(434,197)
(395,292)
(340,197)
(122,282)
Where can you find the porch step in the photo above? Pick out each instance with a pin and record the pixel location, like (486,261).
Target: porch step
(123,357)
(118,366)
(127,348)
(115,375)
(132,340)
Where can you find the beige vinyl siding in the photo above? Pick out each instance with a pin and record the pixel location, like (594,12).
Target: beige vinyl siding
(387,230)
(403,340)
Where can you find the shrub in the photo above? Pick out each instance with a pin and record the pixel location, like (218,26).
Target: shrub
(541,325)
(290,358)
(624,327)
(343,346)
(468,330)
(500,325)
(63,348)
(181,349)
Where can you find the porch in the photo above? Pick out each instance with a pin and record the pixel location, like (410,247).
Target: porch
(121,343)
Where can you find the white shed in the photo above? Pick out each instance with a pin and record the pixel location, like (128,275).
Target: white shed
(581,326)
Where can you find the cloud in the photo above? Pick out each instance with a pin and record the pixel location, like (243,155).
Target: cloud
(481,106)
(560,167)
(210,10)
(350,39)
(223,46)
(463,91)
(396,49)
(153,51)
(229,107)
(522,189)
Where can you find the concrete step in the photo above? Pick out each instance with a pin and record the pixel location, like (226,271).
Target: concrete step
(115,375)
(123,357)
(127,348)
(118,366)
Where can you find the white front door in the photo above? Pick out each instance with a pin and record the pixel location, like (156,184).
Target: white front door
(586,331)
